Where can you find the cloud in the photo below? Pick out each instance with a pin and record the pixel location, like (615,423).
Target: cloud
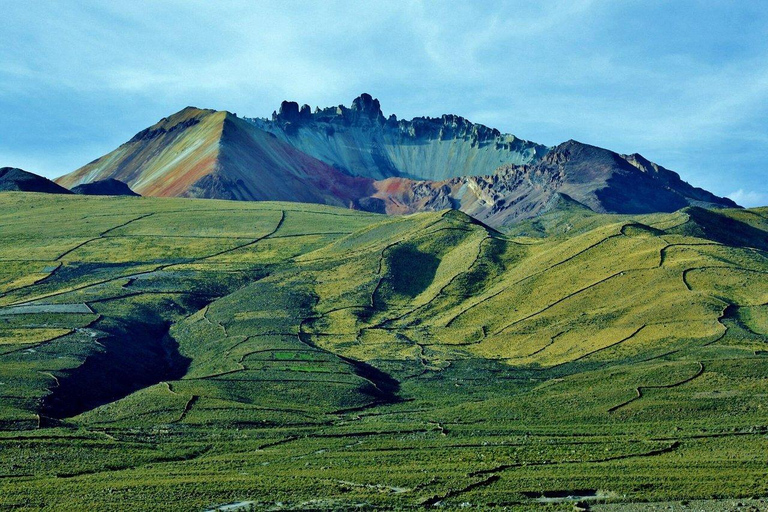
(749,198)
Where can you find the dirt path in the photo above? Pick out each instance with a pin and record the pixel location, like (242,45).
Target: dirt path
(531,276)
(187,407)
(563,299)
(102,234)
(639,389)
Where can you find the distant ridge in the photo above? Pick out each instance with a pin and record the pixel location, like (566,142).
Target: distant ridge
(14,179)
(356,157)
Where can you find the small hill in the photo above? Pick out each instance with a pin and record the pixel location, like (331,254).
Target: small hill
(13,179)
(108,187)
(736,228)
(195,353)
(561,215)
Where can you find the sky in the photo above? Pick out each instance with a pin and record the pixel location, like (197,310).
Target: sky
(684,83)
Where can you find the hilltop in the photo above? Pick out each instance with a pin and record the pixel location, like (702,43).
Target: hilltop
(108,187)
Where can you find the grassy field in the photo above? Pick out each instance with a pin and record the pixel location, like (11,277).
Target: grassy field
(172,354)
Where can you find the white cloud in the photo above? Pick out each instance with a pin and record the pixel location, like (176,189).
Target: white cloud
(749,198)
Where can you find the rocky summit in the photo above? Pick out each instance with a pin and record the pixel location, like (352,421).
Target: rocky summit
(361,141)
(599,179)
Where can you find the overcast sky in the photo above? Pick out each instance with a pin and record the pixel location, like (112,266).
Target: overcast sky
(685,83)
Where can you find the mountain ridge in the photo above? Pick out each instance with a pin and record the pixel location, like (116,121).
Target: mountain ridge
(419,148)
(600,179)
(356,158)
(213,154)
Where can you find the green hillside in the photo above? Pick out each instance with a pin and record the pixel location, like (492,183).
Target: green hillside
(176,354)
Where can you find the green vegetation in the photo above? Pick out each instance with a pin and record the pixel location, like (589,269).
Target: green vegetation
(174,354)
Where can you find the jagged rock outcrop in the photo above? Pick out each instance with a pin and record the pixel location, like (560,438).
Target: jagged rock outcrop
(360,141)
(600,179)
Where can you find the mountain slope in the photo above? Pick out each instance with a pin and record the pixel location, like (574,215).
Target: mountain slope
(209,154)
(360,141)
(14,179)
(163,159)
(600,179)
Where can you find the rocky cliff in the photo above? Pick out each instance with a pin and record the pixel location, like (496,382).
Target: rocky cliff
(360,141)
(598,178)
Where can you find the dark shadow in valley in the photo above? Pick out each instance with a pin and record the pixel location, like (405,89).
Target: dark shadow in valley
(136,354)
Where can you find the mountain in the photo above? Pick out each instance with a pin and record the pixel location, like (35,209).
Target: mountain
(209,154)
(599,179)
(355,157)
(13,179)
(108,187)
(360,141)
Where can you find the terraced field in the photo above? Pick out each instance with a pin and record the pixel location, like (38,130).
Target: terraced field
(179,354)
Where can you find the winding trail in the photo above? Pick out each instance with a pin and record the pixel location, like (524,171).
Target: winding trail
(243,246)
(152,270)
(710,267)
(389,321)
(436,500)
(635,333)
(563,299)
(639,389)
(531,276)
(187,407)
(494,476)
(102,235)
(35,283)
(542,349)
(38,344)
(663,252)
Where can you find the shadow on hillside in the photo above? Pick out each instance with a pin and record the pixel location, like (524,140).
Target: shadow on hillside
(135,355)
(410,270)
(723,229)
(385,386)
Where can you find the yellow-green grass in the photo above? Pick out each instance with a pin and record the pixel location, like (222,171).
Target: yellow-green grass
(324,358)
